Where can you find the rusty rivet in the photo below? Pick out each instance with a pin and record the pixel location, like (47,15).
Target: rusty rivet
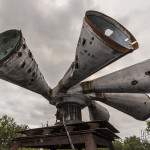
(134,82)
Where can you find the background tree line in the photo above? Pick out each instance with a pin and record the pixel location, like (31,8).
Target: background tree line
(9,129)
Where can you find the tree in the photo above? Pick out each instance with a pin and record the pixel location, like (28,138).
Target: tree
(8,131)
(133,143)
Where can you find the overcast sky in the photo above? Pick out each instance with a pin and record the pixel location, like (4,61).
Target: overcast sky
(51,29)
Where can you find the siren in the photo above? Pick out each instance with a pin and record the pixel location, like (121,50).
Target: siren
(102,41)
(17,64)
(133,79)
(135,105)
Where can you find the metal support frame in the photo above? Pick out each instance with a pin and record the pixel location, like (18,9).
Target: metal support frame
(70,112)
(88,135)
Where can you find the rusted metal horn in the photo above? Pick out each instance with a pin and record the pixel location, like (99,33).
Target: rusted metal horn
(18,66)
(102,41)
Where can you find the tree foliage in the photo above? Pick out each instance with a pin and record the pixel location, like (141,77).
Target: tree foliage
(8,131)
(132,143)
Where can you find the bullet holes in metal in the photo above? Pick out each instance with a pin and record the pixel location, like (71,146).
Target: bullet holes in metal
(76,65)
(30,54)
(92,56)
(33,74)
(91,41)
(134,82)
(29,70)
(76,62)
(24,46)
(83,42)
(147,73)
(79,41)
(19,54)
(23,64)
(108,32)
(32,80)
(85,51)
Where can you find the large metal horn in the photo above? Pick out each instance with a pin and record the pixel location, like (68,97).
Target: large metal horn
(102,41)
(133,79)
(135,105)
(98,112)
(17,64)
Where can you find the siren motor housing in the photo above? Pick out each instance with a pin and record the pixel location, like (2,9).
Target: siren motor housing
(102,41)
(17,64)
(98,112)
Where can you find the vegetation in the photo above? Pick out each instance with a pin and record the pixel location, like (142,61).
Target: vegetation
(132,143)
(9,129)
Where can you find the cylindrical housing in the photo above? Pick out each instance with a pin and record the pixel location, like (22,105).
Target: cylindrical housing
(98,112)
(17,64)
(102,41)
(135,105)
(70,111)
(133,79)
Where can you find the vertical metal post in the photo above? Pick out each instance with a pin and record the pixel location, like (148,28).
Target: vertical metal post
(111,147)
(90,143)
(14,147)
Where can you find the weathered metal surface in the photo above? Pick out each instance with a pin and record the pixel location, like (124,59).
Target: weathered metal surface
(98,112)
(133,79)
(135,105)
(71,112)
(72,127)
(102,41)
(17,64)
(81,134)
(97,48)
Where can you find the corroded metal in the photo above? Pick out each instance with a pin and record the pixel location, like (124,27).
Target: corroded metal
(133,79)
(102,41)
(17,64)
(83,135)
(135,105)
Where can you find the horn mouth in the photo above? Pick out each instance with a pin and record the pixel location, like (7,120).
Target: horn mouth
(9,43)
(111,32)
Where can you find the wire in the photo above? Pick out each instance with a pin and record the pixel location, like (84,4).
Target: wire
(68,135)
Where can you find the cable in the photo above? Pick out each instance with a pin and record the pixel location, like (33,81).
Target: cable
(68,135)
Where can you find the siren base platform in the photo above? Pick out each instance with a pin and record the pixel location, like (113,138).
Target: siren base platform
(88,135)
